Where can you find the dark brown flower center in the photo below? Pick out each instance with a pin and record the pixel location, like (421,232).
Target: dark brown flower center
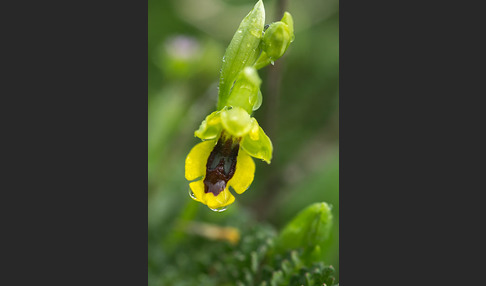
(221,165)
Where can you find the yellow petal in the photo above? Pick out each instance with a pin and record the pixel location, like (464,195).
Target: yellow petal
(198,190)
(197,159)
(215,202)
(221,200)
(244,172)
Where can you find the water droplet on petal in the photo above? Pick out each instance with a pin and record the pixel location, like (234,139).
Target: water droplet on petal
(218,210)
(191,194)
(272,62)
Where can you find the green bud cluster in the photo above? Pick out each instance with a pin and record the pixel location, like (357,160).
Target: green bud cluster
(276,40)
(251,48)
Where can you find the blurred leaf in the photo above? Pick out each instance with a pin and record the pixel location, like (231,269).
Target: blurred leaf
(308,229)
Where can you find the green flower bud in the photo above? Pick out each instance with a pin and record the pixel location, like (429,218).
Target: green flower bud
(276,40)
(242,51)
(246,90)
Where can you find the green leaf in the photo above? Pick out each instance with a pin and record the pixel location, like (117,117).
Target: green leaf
(242,51)
(307,230)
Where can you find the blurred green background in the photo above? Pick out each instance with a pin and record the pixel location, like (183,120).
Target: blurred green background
(186,43)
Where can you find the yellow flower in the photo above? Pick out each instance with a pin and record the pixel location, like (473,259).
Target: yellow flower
(224,160)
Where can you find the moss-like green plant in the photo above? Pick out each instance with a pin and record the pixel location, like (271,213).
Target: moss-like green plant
(252,253)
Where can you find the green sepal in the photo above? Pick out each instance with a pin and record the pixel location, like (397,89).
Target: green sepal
(246,90)
(210,127)
(259,100)
(257,144)
(287,19)
(242,51)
